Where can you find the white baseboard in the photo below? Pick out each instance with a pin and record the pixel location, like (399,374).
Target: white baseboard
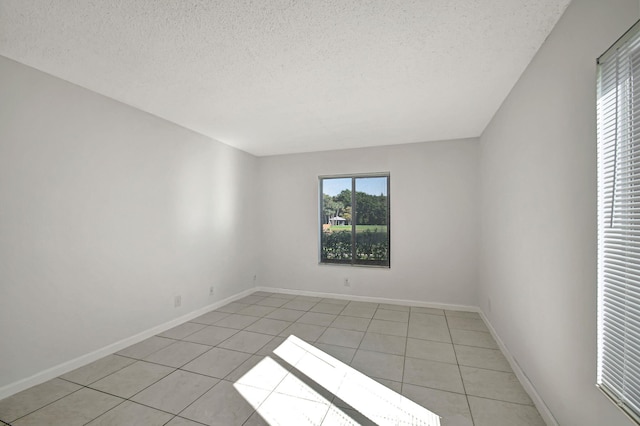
(65,367)
(370,299)
(544,411)
(80,361)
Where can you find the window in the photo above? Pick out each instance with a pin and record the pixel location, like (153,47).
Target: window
(618,92)
(354,220)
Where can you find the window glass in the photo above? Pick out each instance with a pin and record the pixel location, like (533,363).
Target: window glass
(354,214)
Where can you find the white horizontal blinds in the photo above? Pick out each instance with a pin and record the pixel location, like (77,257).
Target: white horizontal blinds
(619,223)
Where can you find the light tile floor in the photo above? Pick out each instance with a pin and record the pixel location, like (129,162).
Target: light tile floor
(446,361)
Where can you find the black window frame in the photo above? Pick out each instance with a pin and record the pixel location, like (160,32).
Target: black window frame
(354,261)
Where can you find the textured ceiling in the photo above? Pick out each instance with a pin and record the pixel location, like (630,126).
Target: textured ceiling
(284,76)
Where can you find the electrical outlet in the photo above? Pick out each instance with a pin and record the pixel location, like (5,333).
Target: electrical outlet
(347,283)
(211,291)
(489,304)
(177,301)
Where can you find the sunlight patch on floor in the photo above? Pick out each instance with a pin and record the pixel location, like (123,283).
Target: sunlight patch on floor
(304,395)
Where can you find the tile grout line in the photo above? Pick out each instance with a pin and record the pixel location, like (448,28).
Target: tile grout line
(141,390)
(272,390)
(315,341)
(52,402)
(356,349)
(404,358)
(466,395)
(219,380)
(191,372)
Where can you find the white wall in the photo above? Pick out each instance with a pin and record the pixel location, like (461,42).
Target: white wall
(538,232)
(434,225)
(107,213)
